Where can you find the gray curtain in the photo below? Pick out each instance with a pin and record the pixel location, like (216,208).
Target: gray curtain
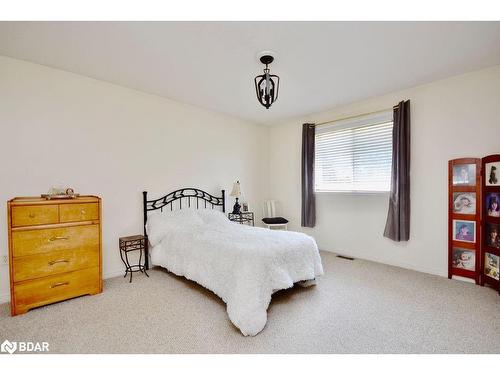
(308,199)
(397,227)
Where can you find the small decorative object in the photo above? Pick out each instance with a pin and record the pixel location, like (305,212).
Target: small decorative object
(464,203)
(464,230)
(236,193)
(464,174)
(464,258)
(267,85)
(244,206)
(492,170)
(59,193)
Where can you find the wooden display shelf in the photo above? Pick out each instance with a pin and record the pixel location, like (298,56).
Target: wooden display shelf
(464,218)
(490,244)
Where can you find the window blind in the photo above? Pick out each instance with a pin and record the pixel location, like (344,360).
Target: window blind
(354,156)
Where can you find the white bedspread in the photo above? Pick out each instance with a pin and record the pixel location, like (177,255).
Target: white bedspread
(243,265)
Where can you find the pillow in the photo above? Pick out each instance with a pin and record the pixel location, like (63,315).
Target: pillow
(160,223)
(216,217)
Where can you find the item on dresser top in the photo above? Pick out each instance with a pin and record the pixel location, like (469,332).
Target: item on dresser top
(54,250)
(132,243)
(58,193)
(243,265)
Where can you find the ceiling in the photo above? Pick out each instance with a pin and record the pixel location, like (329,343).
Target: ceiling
(212,64)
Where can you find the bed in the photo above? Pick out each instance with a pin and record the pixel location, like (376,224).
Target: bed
(189,235)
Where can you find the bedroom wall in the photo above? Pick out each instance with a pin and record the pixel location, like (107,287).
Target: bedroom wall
(456,117)
(63,129)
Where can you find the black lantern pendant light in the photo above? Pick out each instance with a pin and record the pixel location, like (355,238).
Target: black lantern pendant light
(267,85)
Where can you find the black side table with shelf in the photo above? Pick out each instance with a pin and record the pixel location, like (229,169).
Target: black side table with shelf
(242,218)
(133,243)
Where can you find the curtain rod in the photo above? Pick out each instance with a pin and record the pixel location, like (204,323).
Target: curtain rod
(355,116)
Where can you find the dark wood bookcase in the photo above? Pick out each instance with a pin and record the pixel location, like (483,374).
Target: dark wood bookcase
(464,218)
(490,240)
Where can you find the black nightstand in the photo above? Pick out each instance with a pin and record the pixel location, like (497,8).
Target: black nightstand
(132,243)
(242,218)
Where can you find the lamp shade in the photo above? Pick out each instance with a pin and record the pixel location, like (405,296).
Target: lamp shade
(236,192)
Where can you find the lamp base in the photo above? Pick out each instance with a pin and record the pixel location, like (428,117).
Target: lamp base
(236,207)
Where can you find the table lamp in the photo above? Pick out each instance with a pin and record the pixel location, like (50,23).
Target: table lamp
(236,193)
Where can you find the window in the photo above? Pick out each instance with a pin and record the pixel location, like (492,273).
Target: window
(354,155)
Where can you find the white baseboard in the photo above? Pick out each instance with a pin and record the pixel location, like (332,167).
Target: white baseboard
(4,298)
(404,265)
(113,273)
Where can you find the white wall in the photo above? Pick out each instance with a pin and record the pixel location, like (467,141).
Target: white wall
(456,117)
(62,129)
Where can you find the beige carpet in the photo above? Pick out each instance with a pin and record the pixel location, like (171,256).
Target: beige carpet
(357,307)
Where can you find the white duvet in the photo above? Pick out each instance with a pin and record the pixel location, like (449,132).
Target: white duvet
(243,265)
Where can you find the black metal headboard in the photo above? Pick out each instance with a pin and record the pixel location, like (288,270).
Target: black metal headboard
(167,202)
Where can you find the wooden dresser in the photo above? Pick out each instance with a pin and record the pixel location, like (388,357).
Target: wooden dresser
(54,250)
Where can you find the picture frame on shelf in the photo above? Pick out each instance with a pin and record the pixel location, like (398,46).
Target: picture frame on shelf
(492,235)
(492,265)
(464,231)
(464,258)
(492,201)
(464,203)
(464,174)
(492,174)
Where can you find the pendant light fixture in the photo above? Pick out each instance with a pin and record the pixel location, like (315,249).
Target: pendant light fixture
(267,84)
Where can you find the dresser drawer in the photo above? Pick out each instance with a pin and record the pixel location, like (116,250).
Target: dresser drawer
(50,289)
(78,212)
(41,265)
(34,215)
(39,241)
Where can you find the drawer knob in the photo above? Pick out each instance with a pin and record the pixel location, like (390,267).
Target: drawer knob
(59,284)
(52,262)
(31,215)
(83,212)
(58,238)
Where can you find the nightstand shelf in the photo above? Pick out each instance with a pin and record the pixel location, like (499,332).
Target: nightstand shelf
(242,218)
(133,243)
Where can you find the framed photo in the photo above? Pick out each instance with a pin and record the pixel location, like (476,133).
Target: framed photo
(491,265)
(464,174)
(492,174)
(464,230)
(493,204)
(464,203)
(244,206)
(493,235)
(464,258)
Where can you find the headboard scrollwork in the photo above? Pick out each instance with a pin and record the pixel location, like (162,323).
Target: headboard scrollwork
(197,195)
